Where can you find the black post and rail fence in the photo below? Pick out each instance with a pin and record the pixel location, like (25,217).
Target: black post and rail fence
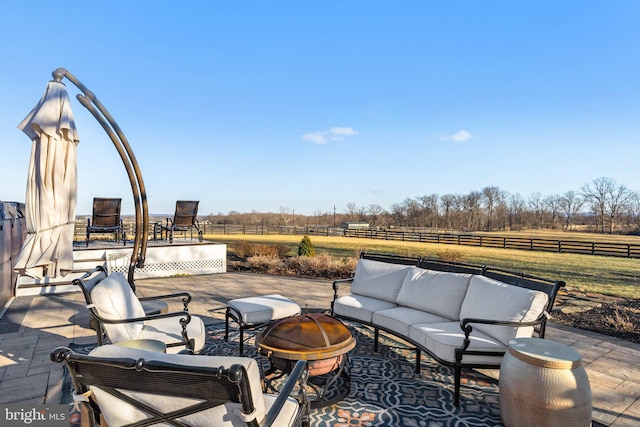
(601,248)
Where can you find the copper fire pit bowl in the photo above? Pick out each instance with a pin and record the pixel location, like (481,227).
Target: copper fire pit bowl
(321,340)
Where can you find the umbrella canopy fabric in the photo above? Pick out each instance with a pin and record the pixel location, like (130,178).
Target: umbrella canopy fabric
(51,186)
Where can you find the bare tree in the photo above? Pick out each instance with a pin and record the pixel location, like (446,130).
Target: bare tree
(399,213)
(618,199)
(429,205)
(413,211)
(552,203)
(597,194)
(447,202)
(374,212)
(362,214)
(352,211)
(538,209)
(471,210)
(570,204)
(285,215)
(634,212)
(516,210)
(492,197)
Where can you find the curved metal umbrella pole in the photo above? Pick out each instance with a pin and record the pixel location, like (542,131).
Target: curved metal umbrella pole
(90,102)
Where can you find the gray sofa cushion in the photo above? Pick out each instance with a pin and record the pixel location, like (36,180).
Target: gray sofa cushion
(436,292)
(360,307)
(400,319)
(442,339)
(490,299)
(381,280)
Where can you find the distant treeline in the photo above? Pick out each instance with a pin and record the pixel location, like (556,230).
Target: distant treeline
(602,206)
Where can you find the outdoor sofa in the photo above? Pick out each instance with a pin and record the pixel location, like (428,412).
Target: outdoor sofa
(462,315)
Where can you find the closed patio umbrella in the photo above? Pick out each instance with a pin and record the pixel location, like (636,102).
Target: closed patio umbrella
(51,186)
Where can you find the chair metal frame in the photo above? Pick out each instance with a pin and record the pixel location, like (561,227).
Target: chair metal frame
(212,386)
(106,219)
(185,219)
(90,279)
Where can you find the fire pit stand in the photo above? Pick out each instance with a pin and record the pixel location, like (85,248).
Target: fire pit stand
(320,339)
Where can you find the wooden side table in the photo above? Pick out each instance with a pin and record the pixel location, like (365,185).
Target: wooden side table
(543,383)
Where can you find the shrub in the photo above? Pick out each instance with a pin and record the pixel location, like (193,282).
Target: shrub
(242,249)
(305,248)
(283,250)
(246,249)
(266,264)
(323,265)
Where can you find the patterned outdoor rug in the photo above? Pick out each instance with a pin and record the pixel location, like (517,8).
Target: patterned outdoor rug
(384,389)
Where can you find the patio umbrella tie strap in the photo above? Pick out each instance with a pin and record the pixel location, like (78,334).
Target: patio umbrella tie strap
(82,397)
(50,228)
(245,417)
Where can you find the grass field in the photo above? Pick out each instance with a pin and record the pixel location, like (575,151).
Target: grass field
(607,275)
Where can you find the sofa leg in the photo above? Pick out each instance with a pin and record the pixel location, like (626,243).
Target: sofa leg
(418,357)
(376,335)
(456,396)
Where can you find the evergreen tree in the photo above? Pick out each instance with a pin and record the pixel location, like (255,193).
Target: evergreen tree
(305,248)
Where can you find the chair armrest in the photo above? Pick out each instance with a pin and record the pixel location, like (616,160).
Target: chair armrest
(298,375)
(185,314)
(186,298)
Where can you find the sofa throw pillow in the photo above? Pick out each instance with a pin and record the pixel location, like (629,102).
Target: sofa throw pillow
(113,298)
(381,280)
(435,292)
(494,300)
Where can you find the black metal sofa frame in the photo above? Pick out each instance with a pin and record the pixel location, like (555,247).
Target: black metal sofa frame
(550,287)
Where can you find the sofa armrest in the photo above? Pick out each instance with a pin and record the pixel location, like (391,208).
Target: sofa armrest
(336,283)
(336,288)
(465,325)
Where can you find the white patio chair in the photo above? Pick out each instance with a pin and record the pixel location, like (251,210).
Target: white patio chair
(137,387)
(121,317)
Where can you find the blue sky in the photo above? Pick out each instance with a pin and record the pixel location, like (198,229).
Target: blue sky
(310,105)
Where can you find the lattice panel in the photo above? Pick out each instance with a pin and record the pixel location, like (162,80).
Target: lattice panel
(212,265)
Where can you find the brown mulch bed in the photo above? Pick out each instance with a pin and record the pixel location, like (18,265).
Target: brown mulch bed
(616,317)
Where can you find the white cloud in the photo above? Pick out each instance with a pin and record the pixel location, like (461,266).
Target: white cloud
(461,136)
(333,134)
(343,131)
(315,137)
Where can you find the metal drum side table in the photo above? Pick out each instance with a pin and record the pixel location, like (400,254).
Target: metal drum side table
(543,383)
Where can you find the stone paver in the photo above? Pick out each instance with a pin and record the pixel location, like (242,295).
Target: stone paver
(28,376)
